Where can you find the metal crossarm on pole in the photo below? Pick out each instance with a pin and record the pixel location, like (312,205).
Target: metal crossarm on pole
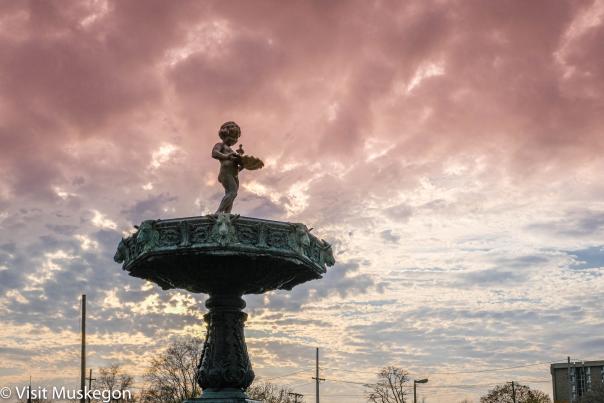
(90,379)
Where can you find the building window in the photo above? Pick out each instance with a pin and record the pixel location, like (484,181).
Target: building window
(582,380)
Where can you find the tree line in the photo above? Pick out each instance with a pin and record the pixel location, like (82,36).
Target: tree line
(170,378)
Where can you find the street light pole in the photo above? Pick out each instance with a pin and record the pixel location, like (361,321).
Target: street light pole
(415,382)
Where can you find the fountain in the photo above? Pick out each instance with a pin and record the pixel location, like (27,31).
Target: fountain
(226,256)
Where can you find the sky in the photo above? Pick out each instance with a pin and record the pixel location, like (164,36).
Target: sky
(449,150)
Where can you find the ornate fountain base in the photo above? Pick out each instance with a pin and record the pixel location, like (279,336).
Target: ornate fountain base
(224,370)
(225,256)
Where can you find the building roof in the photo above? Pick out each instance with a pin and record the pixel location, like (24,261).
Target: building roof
(564,365)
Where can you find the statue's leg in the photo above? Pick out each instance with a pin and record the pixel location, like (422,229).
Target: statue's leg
(234,190)
(231,185)
(231,192)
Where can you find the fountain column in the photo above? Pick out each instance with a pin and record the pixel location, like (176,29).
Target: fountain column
(225,365)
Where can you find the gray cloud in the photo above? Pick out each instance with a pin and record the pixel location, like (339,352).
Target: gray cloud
(388,236)
(580,223)
(257,206)
(342,279)
(62,229)
(401,212)
(152,207)
(492,277)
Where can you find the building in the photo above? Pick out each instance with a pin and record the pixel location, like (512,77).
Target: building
(572,379)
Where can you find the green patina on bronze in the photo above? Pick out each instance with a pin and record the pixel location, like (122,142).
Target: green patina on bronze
(226,256)
(210,253)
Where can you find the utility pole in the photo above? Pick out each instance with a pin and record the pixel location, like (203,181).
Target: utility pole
(83,363)
(570,383)
(296,396)
(316,378)
(513,392)
(90,379)
(29,392)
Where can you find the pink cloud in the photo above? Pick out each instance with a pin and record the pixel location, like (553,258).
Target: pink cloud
(307,82)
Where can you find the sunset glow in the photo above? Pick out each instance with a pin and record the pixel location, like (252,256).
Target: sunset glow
(451,151)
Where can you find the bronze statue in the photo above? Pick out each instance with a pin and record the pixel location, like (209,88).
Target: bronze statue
(226,256)
(231,163)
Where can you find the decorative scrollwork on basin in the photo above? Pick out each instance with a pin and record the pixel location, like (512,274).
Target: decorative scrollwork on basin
(170,236)
(299,239)
(248,234)
(229,232)
(277,238)
(200,233)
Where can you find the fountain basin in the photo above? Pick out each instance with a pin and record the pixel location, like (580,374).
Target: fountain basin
(211,253)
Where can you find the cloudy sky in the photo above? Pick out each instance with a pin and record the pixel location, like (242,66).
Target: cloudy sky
(450,150)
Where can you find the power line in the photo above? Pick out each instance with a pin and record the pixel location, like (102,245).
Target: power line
(351,370)
(452,372)
(344,396)
(299,384)
(286,375)
(461,385)
(350,382)
(490,369)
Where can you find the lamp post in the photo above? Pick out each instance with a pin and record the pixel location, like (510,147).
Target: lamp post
(415,382)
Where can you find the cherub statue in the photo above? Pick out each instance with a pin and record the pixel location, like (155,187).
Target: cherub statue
(231,163)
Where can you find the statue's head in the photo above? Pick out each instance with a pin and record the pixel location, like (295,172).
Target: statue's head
(229,133)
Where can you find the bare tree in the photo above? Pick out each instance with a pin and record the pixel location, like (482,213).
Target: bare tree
(114,379)
(391,386)
(170,377)
(267,392)
(504,394)
(37,400)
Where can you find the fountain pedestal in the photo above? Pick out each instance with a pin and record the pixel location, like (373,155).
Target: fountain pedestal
(225,256)
(225,362)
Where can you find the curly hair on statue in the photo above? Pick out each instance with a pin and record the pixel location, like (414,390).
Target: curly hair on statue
(229,128)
